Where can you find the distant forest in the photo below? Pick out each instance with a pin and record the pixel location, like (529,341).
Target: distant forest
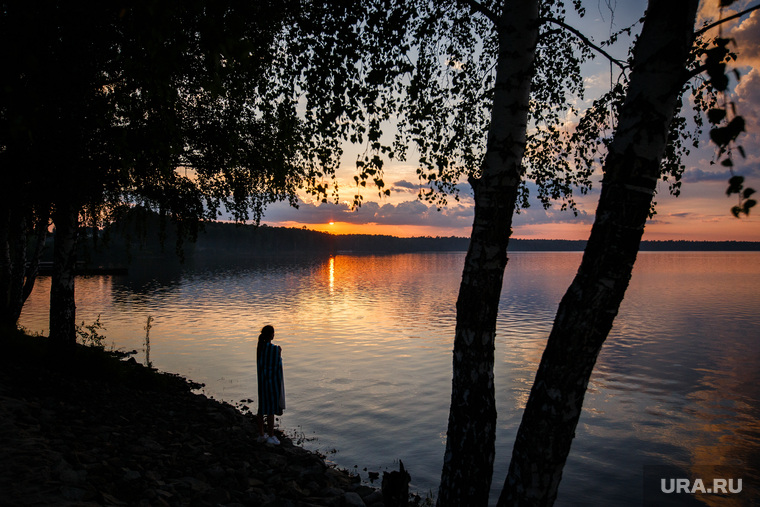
(225,238)
(263,239)
(221,240)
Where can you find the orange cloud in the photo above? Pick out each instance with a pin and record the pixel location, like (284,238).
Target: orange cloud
(747,37)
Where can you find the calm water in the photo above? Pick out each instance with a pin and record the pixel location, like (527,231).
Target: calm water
(367,350)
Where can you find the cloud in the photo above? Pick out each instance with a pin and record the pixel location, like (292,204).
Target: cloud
(748,91)
(462,190)
(747,36)
(748,106)
(742,168)
(671,218)
(710,12)
(695,175)
(419,213)
(411,213)
(744,31)
(405,213)
(537,215)
(405,186)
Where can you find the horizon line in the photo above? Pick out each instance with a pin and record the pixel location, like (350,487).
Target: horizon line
(305,228)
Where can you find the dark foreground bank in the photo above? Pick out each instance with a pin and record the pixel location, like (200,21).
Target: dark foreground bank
(96,430)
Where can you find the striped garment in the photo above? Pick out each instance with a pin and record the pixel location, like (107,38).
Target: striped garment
(271,380)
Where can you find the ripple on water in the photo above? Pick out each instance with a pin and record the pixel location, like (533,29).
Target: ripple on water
(367,349)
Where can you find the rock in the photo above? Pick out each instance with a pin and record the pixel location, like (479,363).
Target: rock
(70,436)
(76,494)
(363,491)
(131,475)
(331,492)
(352,499)
(217,496)
(280,502)
(150,445)
(215,472)
(73,476)
(276,461)
(374,498)
(255,483)
(194,484)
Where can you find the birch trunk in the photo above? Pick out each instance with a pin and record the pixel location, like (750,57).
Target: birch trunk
(62,302)
(17,270)
(31,271)
(587,310)
(468,459)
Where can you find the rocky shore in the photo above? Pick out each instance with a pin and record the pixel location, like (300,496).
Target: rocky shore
(93,429)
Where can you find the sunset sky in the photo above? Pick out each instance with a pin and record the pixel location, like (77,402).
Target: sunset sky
(702,212)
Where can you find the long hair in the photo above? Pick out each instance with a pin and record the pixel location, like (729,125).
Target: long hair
(267,333)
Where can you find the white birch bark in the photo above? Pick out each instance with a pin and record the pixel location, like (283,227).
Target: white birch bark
(468,460)
(588,309)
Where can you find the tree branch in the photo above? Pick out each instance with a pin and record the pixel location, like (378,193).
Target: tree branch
(482,9)
(737,15)
(701,68)
(587,41)
(689,74)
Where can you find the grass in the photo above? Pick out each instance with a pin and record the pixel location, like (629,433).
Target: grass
(21,350)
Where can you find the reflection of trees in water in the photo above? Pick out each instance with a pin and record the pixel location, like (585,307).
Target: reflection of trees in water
(154,276)
(148,275)
(704,411)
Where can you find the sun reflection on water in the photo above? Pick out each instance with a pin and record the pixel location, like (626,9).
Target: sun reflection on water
(367,349)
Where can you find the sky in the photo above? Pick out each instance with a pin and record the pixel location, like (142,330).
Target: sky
(701,212)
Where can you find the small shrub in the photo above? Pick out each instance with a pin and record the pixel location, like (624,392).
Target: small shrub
(90,335)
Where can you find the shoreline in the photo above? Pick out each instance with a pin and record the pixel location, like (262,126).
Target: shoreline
(96,429)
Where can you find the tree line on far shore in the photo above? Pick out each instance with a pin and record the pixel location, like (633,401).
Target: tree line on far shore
(119,244)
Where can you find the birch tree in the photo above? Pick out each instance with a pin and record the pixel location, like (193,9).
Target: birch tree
(586,313)
(480,90)
(159,104)
(662,65)
(462,81)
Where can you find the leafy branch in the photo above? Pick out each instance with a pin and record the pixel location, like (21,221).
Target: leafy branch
(623,65)
(736,186)
(727,124)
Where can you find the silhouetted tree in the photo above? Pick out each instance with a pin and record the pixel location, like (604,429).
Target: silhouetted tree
(481,90)
(463,81)
(662,64)
(586,313)
(163,104)
(23,230)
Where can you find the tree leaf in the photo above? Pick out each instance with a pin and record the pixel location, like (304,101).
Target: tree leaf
(716,115)
(735,184)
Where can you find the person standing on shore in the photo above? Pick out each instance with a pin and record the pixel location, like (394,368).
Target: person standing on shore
(271,384)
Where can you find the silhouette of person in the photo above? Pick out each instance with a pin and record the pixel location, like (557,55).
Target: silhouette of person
(271,384)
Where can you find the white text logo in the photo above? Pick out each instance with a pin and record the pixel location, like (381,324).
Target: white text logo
(724,486)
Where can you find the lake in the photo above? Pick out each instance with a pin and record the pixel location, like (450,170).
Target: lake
(367,344)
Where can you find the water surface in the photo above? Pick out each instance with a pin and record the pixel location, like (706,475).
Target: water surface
(367,350)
